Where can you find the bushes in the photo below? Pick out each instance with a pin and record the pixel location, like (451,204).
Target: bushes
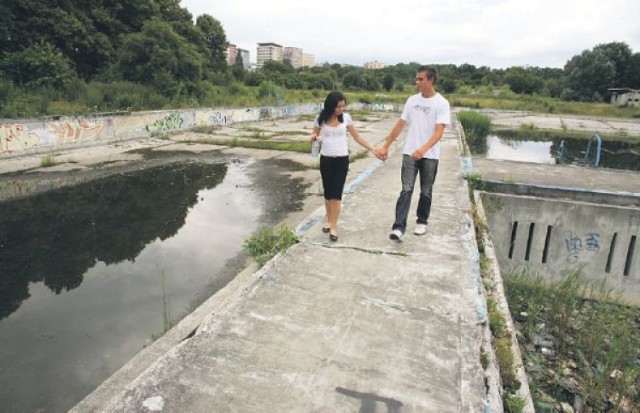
(476,126)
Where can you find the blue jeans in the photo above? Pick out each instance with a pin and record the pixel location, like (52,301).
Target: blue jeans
(428,168)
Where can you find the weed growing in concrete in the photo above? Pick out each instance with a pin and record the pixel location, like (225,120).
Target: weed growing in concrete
(265,244)
(210,129)
(581,343)
(528,127)
(474,179)
(48,160)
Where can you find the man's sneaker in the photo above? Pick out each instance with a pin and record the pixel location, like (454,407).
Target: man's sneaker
(421,229)
(396,235)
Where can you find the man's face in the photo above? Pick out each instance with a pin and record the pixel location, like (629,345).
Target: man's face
(422,81)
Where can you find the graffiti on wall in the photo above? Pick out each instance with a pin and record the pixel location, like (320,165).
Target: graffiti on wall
(576,245)
(265,113)
(218,118)
(17,137)
(76,130)
(172,121)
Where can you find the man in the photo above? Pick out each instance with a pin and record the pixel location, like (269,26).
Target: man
(426,113)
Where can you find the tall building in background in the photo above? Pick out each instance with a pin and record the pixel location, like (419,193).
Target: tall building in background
(308,60)
(245,58)
(268,51)
(232,53)
(294,54)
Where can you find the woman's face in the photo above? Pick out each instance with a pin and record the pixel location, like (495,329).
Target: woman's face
(340,107)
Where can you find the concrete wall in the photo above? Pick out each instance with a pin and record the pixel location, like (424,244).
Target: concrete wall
(40,135)
(550,237)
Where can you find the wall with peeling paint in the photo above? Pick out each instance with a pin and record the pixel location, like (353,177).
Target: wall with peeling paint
(33,136)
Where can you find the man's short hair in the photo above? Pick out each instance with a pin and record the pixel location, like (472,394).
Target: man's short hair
(430,71)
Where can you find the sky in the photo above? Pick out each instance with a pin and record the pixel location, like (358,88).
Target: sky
(494,33)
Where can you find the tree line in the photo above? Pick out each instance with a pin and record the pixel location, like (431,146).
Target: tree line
(101,55)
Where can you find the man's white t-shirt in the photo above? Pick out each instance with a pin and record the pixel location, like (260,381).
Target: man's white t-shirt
(422,114)
(334,138)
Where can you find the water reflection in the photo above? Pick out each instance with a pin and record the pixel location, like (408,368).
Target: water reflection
(90,274)
(55,237)
(548,148)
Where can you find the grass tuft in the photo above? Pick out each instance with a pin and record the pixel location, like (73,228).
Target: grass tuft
(265,244)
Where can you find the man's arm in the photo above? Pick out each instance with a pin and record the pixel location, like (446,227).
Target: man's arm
(393,135)
(437,135)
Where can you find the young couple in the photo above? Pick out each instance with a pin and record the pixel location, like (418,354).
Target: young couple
(426,114)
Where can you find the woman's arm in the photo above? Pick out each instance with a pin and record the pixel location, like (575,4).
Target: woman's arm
(352,130)
(315,135)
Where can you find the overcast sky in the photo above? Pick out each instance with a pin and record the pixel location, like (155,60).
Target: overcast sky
(494,33)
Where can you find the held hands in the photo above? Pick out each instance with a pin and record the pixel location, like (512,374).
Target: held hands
(380,153)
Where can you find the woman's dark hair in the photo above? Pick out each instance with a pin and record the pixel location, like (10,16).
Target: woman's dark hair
(330,105)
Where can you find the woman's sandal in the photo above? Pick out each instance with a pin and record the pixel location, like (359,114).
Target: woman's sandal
(333,238)
(325,229)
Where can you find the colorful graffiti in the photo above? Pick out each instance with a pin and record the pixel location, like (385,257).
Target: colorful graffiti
(172,121)
(17,137)
(74,130)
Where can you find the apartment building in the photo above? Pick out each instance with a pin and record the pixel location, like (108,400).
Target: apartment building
(294,54)
(308,60)
(232,54)
(374,65)
(268,51)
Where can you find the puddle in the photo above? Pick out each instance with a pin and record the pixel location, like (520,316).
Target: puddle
(93,273)
(549,149)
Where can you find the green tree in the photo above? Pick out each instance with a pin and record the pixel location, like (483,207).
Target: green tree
(634,71)
(387,82)
(215,40)
(589,75)
(353,81)
(40,64)
(619,54)
(158,56)
(237,70)
(523,81)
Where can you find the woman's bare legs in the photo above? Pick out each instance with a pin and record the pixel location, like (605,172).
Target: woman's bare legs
(332,206)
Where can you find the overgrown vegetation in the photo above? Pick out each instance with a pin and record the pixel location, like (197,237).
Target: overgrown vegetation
(500,335)
(581,344)
(266,243)
(149,54)
(476,126)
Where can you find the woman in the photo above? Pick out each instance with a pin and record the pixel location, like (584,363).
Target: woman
(331,127)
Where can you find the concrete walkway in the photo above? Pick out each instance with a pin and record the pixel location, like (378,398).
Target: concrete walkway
(365,324)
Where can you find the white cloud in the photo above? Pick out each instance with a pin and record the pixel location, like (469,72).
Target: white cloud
(494,33)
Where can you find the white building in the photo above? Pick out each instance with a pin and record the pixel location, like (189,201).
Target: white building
(294,54)
(268,51)
(374,65)
(308,60)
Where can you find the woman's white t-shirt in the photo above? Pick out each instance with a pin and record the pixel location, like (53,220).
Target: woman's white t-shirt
(335,139)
